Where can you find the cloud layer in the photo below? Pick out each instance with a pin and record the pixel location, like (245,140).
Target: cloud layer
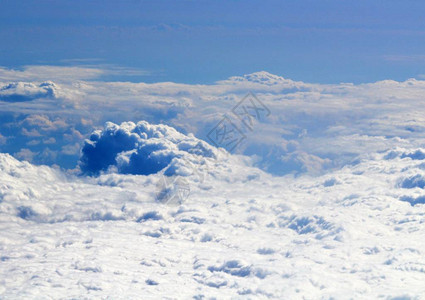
(241,232)
(311,127)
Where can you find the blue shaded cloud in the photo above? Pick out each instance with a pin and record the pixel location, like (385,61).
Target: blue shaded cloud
(139,148)
(25,91)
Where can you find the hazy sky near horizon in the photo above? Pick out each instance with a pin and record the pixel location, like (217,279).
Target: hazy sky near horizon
(205,41)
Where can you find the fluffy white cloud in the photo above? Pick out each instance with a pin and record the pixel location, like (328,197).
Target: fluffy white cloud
(238,234)
(44,123)
(50,140)
(26,91)
(71,149)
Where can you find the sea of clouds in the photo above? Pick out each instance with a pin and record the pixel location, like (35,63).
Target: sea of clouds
(322,198)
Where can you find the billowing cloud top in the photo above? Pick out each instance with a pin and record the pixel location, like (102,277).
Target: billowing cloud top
(141,148)
(262,78)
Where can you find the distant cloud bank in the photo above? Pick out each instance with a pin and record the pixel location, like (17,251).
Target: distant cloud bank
(311,127)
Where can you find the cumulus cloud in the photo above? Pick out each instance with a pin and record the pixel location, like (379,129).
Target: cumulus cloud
(139,148)
(61,133)
(33,142)
(44,123)
(25,154)
(71,149)
(50,140)
(27,91)
(265,81)
(30,132)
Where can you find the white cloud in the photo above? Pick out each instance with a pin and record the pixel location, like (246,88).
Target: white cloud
(50,140)
(366,139)
(335,122)
(49,73)
(33,142)
(67,73)
(3,139)
(25,91)
(71,149)
(25,154)
(43,123)
(31,133)
(239,233)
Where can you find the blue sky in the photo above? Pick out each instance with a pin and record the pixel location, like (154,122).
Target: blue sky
(205,41)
